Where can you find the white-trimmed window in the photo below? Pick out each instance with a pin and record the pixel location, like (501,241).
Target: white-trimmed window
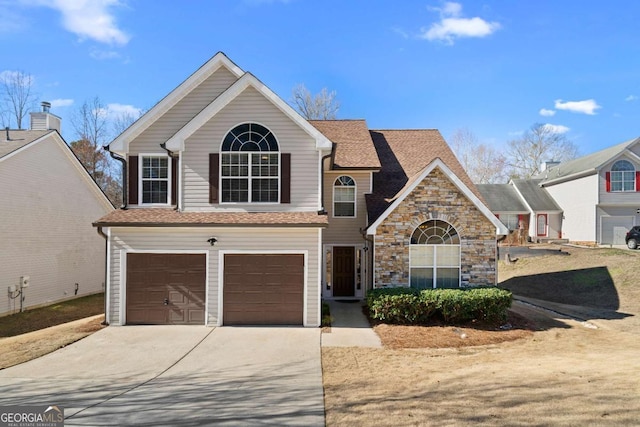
(155,179)
(434,256)
(623,176)
(510,221)
(344,197)
(250,165)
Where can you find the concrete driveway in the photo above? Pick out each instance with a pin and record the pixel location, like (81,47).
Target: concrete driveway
(178,376)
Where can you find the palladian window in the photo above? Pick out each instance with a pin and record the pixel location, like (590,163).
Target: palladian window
(250,162)
(344,197)
(623,176)
(435,256)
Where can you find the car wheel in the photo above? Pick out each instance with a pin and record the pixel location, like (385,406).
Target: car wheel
(632,244)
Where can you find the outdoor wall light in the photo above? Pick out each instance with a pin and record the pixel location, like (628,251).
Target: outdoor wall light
(212,241)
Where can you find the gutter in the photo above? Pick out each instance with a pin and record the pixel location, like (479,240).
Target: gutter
(322,210)
(122,160)
(106,273)
(175,157)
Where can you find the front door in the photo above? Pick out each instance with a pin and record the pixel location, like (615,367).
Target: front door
(343,271)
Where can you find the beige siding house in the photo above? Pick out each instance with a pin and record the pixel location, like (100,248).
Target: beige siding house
(239,211)
(48,204)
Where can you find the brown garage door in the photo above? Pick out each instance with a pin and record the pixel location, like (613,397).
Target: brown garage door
(166,289)
(264,289)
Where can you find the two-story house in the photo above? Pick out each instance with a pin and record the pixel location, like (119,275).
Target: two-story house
(48,250)
(594,199)
(240,211)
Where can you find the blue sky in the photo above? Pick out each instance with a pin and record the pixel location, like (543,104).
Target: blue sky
(494,67)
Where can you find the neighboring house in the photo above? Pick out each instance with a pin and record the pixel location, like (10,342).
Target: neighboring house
(240,211)
(48,204)
(594,199)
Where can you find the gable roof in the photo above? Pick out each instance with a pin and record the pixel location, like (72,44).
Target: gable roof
(18,139)
(404,154)
(502,198)
(583,166)
(354,147)
(176,142)
(466,191)
(536,197)
(21,140)
(121,142)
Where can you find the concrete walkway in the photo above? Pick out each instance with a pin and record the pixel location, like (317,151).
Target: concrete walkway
(349,327)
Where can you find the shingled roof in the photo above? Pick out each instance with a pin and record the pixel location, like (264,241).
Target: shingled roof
(502,197)
(165,217)
(353,147)
(404,154)
(18,139)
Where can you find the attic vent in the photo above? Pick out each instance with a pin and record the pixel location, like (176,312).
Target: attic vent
(46,106)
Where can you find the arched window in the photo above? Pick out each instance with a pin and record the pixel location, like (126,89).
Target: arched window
(250,165)
(434,256)
(623,176)
(344,196)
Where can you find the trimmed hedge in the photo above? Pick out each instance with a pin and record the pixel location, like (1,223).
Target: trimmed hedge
(414,306)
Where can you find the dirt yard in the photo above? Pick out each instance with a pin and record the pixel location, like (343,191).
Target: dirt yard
(563,373)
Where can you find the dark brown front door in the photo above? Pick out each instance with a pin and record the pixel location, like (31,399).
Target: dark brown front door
(343,271)
(166,289)
(263,289)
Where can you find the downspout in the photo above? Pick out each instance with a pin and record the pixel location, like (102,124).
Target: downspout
(370,258)
(122,160)
(173,155)
(106,273)
(322,210)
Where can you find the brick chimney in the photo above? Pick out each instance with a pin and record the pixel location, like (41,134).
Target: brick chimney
(44,120)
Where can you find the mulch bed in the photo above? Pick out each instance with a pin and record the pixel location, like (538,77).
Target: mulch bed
(437,334)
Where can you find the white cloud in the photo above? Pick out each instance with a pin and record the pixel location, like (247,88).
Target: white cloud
(452,25)
(103,54)
(547,113)
(89,19)
(556,128)
(631,98)
(61,103)
(588,106)
(117,110)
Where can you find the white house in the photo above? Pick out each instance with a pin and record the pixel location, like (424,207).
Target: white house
(48,249)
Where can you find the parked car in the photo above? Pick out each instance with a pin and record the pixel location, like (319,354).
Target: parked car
(633,237)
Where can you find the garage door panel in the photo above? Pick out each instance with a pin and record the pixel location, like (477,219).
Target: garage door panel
(263,289)
(166,288)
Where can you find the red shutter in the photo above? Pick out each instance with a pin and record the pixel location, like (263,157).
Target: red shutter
(285,178)
(214,177)
(637,180)
(174,181)
(608,181)
(498,216)
(133,180)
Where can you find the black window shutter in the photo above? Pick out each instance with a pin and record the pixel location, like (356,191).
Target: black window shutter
(133,180)
(285,178)
(214,177)
(174,181)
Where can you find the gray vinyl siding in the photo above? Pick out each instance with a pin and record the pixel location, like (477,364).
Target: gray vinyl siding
(346,230)
(187,108)
(616,198)
(47,207)
(251,106)
(229,239)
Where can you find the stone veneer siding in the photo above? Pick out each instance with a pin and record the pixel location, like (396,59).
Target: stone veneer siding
(436,197)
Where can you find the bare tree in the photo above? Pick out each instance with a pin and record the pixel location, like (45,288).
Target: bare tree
(123,120)
(322,106)
(90,125)
(483,163)
(538,144)
(17,96)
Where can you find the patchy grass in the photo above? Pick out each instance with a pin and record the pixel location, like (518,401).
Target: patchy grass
(55,314)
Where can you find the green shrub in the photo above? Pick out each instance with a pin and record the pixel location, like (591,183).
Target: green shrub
(413,306)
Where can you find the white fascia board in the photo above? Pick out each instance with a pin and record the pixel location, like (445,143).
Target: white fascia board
(120,144)
(176,142)
(501,229)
